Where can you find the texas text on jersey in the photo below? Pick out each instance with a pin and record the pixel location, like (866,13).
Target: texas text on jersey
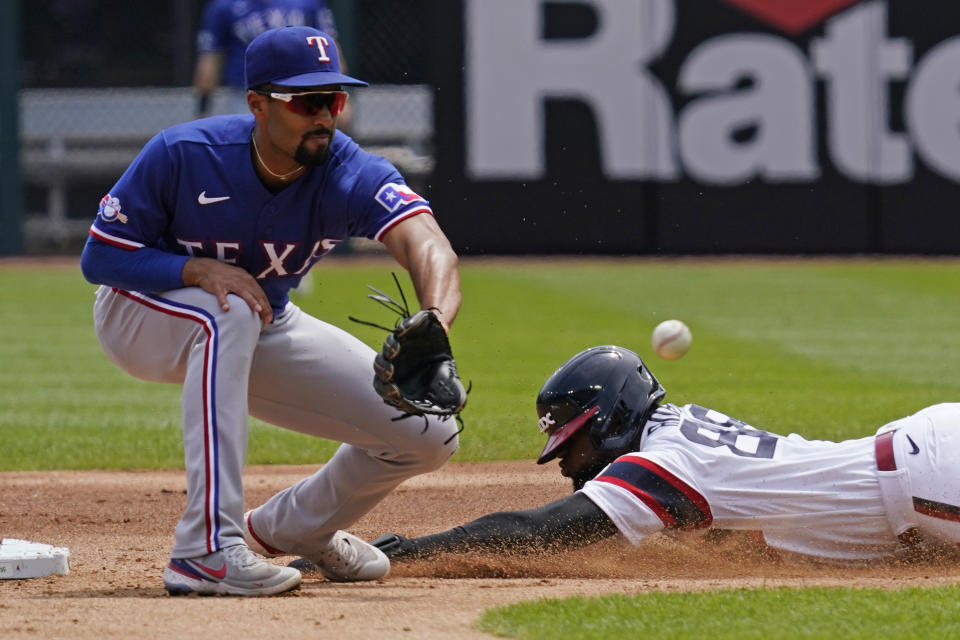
(204,212)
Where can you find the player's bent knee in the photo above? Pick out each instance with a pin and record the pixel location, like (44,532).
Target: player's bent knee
(239,311)
(437,443)
(239,317)
(424,447)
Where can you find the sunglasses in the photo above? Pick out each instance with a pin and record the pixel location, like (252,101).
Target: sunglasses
(311,102)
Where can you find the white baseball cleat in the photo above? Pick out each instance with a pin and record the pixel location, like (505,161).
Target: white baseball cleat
(350,559)
(347,558)
(234,570)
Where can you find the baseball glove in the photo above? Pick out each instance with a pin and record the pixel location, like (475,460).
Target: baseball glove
(415,370)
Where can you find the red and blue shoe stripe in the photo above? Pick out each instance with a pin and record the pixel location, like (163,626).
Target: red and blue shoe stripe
(196,571)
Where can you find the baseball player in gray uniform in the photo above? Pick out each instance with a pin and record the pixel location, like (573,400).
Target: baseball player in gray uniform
(640,466)
(196,248)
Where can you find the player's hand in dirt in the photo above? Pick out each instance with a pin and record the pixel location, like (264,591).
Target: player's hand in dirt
(220,279)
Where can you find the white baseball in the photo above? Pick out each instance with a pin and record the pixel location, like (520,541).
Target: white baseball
(671,339)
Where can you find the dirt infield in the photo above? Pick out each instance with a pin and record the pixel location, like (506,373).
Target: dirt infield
(118,526)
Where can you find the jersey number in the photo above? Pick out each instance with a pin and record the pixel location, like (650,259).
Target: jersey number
(714,429)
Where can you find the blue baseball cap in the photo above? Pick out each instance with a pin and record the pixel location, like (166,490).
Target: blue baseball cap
(294,57)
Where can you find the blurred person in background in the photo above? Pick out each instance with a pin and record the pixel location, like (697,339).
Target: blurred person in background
(228,26)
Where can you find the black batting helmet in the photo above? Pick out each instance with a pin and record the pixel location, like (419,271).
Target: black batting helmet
(607,390)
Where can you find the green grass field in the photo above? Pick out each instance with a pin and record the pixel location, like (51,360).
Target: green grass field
(829,349)
(738,614)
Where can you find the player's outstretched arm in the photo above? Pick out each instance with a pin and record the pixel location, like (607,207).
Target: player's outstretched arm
(568,523)
(421,248)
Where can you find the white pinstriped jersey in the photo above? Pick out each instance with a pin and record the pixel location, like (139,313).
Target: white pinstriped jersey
(699,468)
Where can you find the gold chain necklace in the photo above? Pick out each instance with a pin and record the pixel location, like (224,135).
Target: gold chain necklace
(279,176)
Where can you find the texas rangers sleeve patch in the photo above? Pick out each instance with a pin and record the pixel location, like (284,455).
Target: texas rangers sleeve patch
(392,196)
(676,503)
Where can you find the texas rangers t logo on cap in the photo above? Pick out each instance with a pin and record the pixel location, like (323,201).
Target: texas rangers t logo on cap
(320,43)
(294,57)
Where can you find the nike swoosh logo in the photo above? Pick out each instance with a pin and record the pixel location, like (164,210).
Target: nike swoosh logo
(216,573)
(203,199)
(913,444)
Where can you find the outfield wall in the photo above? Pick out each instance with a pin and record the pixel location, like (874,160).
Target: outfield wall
(571,126)
(648,126)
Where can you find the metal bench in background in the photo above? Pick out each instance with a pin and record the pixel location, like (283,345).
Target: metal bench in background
(75,136)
